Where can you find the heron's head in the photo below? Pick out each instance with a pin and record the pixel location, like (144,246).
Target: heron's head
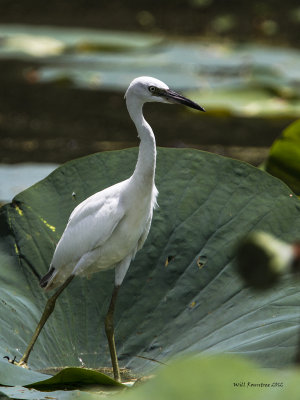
(148,89)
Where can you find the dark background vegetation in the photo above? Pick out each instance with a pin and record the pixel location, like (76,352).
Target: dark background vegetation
(274,21)
(55,123)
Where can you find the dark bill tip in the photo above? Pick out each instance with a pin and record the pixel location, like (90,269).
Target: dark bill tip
(174,97)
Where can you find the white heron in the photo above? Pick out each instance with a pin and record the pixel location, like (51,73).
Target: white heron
(108,228)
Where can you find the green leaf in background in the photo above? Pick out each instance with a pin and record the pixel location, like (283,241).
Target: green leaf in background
(284,158)
(181,293)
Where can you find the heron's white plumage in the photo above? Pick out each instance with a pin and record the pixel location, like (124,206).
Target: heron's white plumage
(107,229)
(90,225)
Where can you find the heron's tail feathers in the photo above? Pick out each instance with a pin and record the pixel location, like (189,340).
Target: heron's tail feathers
(46,279)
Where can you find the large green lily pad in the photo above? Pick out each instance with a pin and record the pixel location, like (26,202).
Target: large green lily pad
(181,293)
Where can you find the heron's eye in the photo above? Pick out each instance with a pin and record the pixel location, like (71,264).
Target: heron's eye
(152,89)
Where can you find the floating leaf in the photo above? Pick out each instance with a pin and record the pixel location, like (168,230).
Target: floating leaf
(75,377)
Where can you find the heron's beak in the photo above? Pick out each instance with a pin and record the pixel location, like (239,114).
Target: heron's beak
(173,97)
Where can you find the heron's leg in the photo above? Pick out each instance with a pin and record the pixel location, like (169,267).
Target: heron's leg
(46,314)
(109,329)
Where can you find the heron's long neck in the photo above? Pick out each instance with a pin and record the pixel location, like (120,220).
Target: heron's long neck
(145,166)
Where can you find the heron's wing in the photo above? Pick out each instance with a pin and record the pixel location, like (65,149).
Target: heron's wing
(90,225)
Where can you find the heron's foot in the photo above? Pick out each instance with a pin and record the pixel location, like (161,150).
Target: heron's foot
(20,363)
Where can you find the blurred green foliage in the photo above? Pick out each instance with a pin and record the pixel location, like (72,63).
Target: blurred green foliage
(284,158)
